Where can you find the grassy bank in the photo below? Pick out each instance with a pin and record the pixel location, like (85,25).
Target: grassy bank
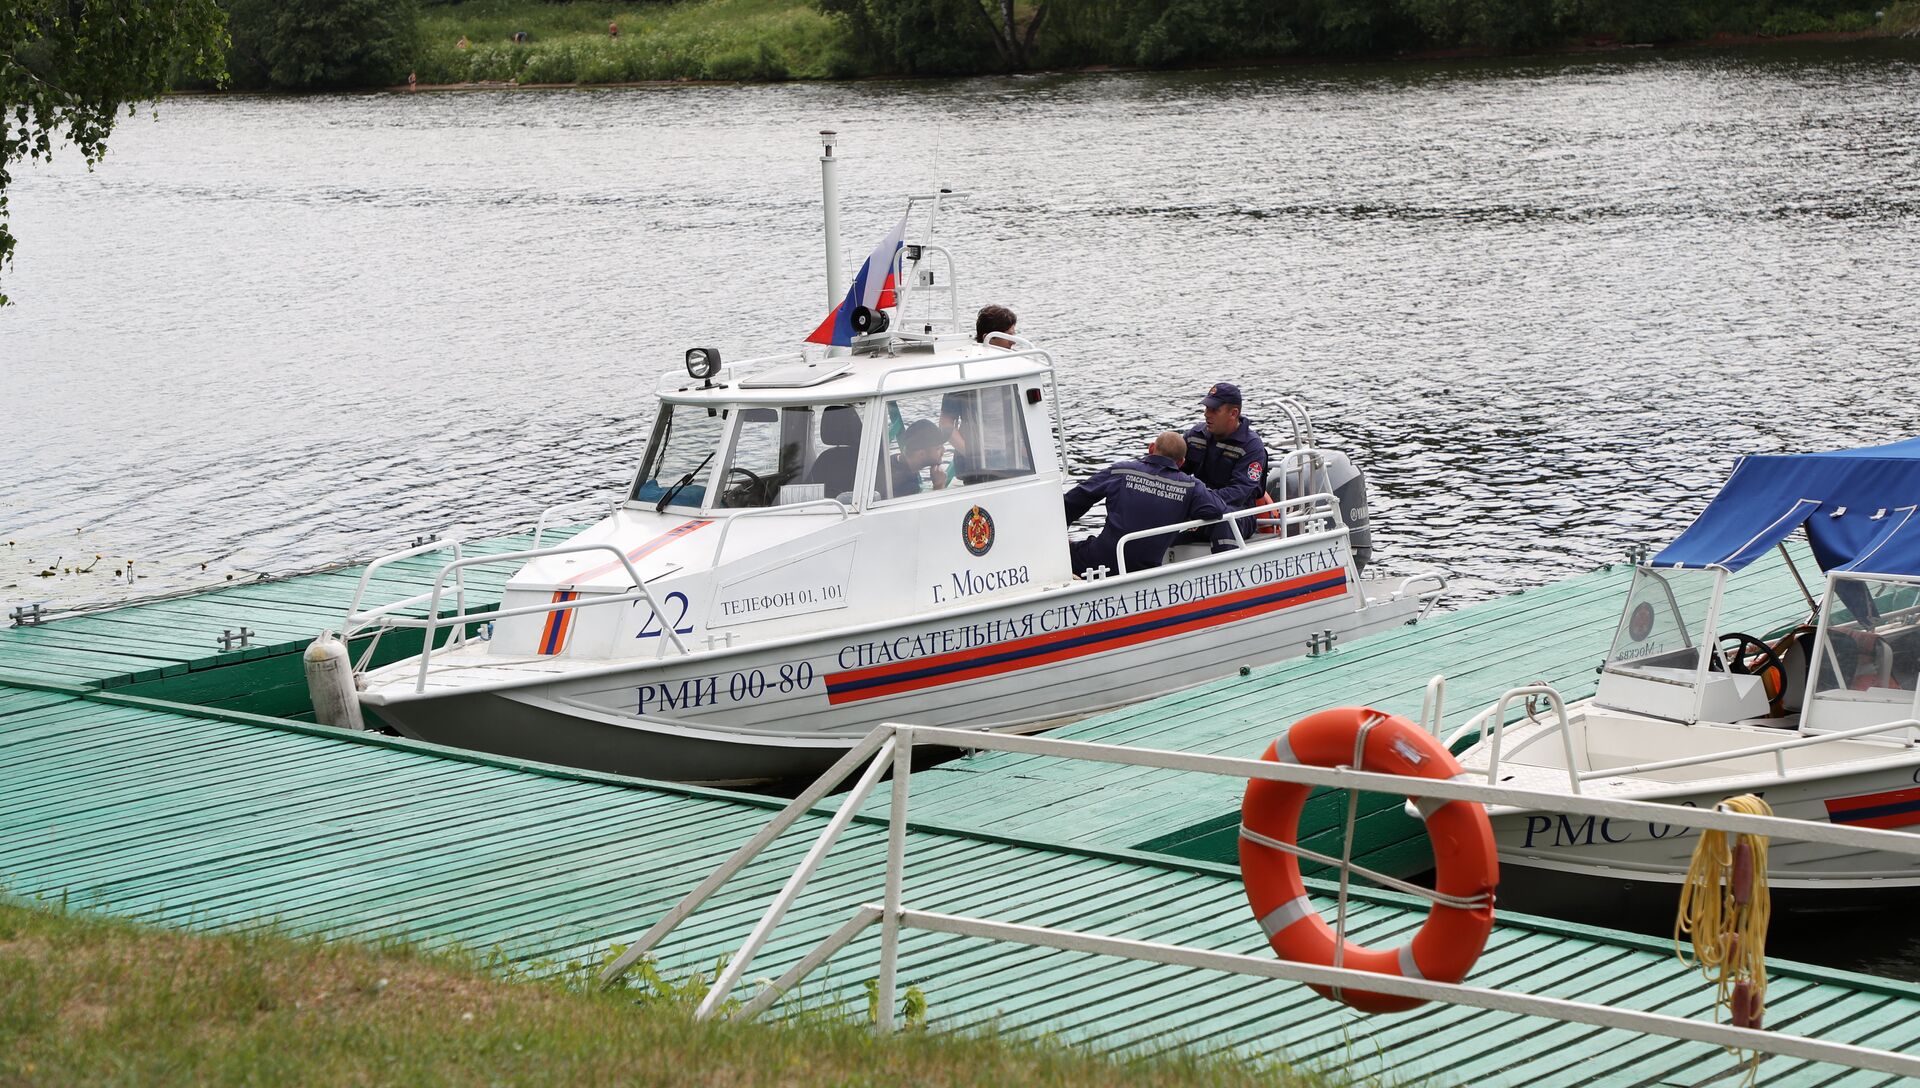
(91,1001)
(793,39)
(569,43)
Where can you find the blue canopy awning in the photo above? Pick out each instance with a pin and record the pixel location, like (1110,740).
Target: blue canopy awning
(1858,506)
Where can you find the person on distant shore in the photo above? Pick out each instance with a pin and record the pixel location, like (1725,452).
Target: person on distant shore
(613,30)
(463,43)
(1143,494)
(413,81)
(994,319)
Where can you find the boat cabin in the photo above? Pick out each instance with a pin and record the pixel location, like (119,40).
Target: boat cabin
(1851,662)
(855,433)
(913,475)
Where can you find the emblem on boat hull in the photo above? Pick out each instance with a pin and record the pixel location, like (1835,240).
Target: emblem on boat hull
(976,530)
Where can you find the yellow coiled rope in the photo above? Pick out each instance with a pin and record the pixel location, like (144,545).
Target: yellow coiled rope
(1724,908)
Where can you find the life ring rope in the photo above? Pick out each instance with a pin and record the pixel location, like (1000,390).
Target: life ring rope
(1463,902)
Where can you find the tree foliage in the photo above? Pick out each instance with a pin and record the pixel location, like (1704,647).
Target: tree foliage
(314,44)
(68,67)
(919,37)
(925,36)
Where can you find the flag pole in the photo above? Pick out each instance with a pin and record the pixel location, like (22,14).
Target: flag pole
(830,202)
(830,205)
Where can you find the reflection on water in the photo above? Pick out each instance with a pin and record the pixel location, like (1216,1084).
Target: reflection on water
(1544,302)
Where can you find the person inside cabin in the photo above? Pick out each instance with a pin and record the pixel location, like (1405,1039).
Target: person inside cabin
(959,411)
(922,448)
(1226,455)
(1143,494)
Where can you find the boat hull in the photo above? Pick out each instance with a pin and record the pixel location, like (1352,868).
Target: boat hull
(788,709)
(1587,867)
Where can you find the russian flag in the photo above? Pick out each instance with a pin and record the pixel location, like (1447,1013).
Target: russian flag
(873,288)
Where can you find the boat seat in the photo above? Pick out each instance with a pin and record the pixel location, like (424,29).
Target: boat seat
(836,465)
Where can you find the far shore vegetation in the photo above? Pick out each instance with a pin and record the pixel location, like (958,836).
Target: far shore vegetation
(364,43)
(86,1000)
(69,70)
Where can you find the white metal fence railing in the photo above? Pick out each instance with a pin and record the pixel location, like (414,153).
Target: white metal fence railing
(890,748)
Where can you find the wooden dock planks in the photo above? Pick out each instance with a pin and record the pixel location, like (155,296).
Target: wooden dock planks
(183,820)
(209,818)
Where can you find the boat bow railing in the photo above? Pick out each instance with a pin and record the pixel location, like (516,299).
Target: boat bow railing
(1491,725)
(551,515)
(1497,714)
(890,748)
(391,614)
(460,620)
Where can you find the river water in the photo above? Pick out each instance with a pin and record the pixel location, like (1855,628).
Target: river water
(1544,302)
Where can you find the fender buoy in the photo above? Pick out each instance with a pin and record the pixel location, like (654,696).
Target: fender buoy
(1466,863)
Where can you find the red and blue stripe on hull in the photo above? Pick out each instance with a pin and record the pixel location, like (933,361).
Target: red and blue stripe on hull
(939,670)
(1889,810)
(554,635)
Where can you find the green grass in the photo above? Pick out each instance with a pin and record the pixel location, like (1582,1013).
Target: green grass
(696,39)
(86,1000)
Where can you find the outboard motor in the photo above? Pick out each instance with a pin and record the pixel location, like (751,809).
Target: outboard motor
(1349,487)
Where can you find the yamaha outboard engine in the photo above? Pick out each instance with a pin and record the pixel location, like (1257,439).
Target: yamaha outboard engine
(1349,487)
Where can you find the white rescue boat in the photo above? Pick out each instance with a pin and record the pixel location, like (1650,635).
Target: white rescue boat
(777,580)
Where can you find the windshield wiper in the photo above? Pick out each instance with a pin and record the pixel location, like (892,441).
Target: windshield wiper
(661,506)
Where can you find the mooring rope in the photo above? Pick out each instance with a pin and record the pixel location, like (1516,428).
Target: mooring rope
(1724,910)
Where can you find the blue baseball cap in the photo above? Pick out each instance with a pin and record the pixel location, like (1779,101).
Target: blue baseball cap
(1222,393)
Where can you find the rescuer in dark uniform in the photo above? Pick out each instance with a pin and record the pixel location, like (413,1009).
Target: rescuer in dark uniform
(1143,494)
(1225,454)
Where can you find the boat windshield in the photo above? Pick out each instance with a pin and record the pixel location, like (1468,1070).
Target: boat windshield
(1873,639)
(679,464)
(794,454)
(1664,625)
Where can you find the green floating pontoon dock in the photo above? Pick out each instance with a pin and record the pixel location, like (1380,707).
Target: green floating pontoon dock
(146,773)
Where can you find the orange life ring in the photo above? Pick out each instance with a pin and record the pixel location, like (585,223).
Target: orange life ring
(1466,863)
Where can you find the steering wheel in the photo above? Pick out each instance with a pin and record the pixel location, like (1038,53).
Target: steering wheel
(755,487)
(1737,658)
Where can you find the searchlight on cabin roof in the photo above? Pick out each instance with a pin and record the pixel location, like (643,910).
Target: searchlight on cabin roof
(703,363)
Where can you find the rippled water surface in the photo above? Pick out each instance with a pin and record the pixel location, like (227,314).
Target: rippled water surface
(1545,303)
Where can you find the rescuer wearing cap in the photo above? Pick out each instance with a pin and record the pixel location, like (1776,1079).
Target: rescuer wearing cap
(1225,454)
